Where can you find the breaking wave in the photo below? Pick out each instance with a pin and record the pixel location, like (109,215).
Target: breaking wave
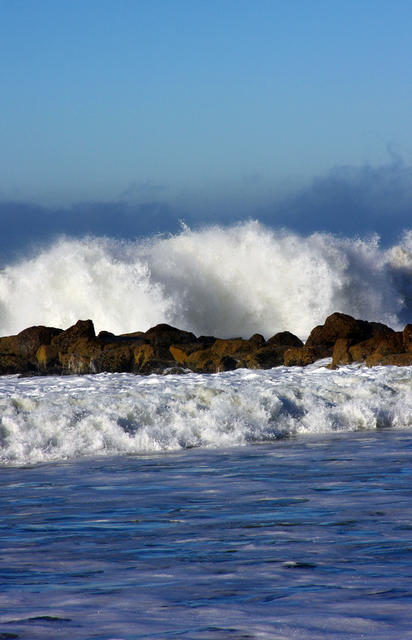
(57,418)
(223,281)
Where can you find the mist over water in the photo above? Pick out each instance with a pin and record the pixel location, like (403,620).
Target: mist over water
(225,281)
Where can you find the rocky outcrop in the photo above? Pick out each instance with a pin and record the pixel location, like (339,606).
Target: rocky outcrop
(163,348)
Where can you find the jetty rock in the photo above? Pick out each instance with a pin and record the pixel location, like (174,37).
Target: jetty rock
(77,350)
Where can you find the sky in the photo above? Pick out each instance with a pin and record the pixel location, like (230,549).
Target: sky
(128,115)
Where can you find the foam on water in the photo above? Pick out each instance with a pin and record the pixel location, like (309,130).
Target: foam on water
(61,418)
(221,281)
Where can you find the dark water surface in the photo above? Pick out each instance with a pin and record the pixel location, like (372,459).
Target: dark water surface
(304,538)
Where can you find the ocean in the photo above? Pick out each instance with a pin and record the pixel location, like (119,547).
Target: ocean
(240,505)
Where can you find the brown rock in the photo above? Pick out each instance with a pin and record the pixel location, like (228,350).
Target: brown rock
(360,351)
(395,359)
(8,345)
(338,325)
(258,340)
(134,336)
(232,346)
(407,338)
(392,343)
(145,360)
(18,353)
(205,360)
(201,360)
(82,329)
(378,329)
(301,356)
(181,353)
(341,352)
(162,336)
(266,357)
(285,339)
(29,340)
(10,363)
(206,341)
(75,364)
(114,358)
(47,357)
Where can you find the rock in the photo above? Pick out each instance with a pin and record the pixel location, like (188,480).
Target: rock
(181,353)
(18,353)
(285,339)
(106,336)
(162,336)
(395,359)
(266,357)
(47,357)
(134,336)
(75,364)
(21,349)
(257,339)
(204,360)
(232,346)
(407,338)
(392,343)
(29,340)
(115,358)
(145,360)
(271,354)
(65,340)
(341,352)
(206,341)
(338,325)
(200,360)
(164,348)
(377,329)
(301,356)
(10,363)
(360,351)
(9,345)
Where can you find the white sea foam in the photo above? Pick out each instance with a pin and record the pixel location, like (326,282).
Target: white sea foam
(222,281)
(56,418)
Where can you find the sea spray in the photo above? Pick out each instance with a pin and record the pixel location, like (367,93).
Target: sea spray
(232,281)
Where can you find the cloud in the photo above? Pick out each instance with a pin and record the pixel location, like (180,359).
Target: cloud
(27,226)
(346,201)
(350,201)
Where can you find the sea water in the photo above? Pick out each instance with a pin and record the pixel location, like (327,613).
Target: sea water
(241,505)
(248,504)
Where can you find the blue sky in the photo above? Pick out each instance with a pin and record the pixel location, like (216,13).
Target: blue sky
(199,104)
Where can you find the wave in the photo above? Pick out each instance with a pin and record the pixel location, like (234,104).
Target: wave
(57,418)
(223,281)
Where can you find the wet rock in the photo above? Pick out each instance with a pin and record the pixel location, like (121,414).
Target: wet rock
(47,357)
(257,339)
(341,352)
(162,336)
(407,338)
(285,339)
(395,359)
(266,357)
(115,358)
(66,340)
(182,353)
(302,356)
(165,348)
(338,325)
(10,364)
(146,360)
(29,340)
